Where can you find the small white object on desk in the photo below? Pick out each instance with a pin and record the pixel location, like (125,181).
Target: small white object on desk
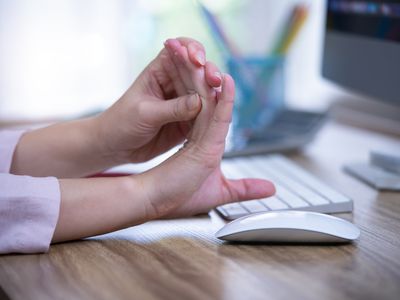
(289,227)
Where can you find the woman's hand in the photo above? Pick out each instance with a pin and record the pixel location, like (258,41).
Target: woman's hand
(155,112)
(191,181)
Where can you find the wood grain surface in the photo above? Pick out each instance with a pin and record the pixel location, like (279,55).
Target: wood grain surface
(181,259)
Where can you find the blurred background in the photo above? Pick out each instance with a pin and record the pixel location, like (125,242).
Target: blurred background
(60,59)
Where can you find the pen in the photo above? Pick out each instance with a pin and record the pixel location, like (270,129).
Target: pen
(217,32)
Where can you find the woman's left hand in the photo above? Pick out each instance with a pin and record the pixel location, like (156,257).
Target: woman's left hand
(155,113)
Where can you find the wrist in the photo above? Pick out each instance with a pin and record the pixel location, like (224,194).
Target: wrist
(141,195)
(102,140)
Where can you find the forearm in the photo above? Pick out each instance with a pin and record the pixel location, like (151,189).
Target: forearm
(99,205)
(70,149)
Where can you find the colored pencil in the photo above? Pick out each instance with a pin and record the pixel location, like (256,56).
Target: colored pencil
(291,30)
(217,32)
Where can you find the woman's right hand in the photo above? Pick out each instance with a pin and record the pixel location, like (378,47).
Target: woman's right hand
(191,181)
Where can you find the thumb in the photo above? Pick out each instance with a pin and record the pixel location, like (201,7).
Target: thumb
(183,108)
(248,189)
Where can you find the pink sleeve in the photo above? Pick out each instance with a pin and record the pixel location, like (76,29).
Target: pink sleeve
(29,206)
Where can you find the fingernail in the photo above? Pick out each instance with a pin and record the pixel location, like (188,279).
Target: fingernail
(218,75)
(167,42)
(200,58)
(193,102)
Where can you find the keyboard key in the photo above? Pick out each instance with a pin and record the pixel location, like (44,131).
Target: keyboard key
(250,168)
(234,210)
(293,200)
(295,187)
(274,203)
(309,180)
(261,170)
(254,206)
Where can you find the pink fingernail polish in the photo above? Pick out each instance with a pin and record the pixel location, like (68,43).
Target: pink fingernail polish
(200,58)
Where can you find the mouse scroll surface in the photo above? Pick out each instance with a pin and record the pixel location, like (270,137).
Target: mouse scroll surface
(289,227)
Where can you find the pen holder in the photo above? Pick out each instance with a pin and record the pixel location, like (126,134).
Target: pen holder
(259,95)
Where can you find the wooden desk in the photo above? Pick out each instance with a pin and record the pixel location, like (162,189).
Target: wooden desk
(181,259)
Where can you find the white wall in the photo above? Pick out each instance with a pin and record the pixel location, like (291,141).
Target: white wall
(58,57)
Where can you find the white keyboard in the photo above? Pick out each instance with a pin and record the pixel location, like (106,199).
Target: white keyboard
(296,188)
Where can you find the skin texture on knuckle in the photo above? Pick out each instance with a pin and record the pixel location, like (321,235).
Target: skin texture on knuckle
(225,119)
(195,105)
(179,109)
(183,110)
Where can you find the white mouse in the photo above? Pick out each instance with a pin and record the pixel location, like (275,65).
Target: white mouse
(289,227)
